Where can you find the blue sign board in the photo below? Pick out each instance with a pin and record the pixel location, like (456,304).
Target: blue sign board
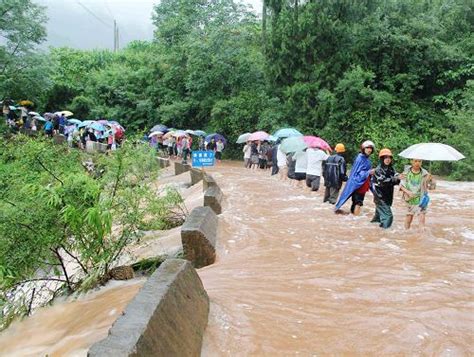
(203,158)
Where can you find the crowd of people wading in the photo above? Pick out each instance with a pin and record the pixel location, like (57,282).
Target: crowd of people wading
(304,160)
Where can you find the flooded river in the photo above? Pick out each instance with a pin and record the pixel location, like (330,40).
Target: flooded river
(69,328)
(293,278)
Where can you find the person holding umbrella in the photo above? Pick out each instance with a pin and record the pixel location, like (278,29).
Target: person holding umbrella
(247,152)
(415,192)
(416,180)
(316,156)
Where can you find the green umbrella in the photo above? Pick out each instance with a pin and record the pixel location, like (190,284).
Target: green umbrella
(293,144)
(243,138)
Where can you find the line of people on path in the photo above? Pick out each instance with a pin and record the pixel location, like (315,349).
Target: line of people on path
(258,154)
(309,165)
(182,146)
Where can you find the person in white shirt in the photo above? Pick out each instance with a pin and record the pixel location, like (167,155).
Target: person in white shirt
(281,163)
(314,170)
(300,167)
(219,149)
(247,150)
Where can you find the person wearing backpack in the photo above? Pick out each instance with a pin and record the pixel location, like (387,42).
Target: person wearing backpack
(414,186)
(334,173)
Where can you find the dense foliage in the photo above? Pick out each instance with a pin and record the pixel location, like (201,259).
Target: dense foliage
(67,219)
(390,70)
(22,69)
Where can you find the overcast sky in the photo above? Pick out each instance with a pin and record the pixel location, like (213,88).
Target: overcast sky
(88,24)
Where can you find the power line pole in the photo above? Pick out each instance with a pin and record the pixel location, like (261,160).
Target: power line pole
(115,36)
(118,39)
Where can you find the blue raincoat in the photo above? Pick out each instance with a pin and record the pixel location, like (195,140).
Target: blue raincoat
(359,174)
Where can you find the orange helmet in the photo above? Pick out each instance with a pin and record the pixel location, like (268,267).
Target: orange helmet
(385,152)
(340,148)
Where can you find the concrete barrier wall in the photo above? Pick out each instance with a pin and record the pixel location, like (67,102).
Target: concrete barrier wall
(162,162)
(94,146)
(59,139)
(198,236)
(180,168)
(168,317)
(196,176)
(208,181)
(213,199)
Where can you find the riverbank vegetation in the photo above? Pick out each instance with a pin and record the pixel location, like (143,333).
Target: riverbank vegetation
(67,216)
(394,71)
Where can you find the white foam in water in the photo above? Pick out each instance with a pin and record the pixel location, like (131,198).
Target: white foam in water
(464,186)
(468,234)
(449,200)
(291,209)
(393,246)
(296,246)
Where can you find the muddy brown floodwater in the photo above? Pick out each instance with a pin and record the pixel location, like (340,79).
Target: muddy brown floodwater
(293,278)
(69,328)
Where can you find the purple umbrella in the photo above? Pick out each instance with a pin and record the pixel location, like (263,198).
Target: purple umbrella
(159,127)
(216,137)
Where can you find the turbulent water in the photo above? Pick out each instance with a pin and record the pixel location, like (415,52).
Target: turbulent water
(293,278)
(69,328)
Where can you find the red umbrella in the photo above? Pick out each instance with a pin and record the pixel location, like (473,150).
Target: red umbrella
(258,135)
(315,142)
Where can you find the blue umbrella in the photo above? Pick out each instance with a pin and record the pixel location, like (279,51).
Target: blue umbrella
(86,123)
(243,138)
(287,133)
(74,121)
(199,133)
(293,144)
(216,137)
(39,117)
(159,127)
(97,126)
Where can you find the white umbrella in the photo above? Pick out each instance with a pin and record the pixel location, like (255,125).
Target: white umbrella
(432,152)
(33,114)
(156,133)
(243,138)
(66,113)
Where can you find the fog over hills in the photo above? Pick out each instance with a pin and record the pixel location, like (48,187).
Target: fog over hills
(88,24)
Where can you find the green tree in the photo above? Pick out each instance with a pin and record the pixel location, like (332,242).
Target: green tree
(22,69)
(56,214)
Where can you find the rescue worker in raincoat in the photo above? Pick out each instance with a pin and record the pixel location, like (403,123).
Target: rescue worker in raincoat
(383,181)
(359,180)
(334,173)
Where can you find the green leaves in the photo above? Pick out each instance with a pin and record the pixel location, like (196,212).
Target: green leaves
(53,211)
(21,29)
